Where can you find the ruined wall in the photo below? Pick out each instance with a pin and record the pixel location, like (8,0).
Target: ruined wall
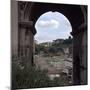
(26,33)
(22,31)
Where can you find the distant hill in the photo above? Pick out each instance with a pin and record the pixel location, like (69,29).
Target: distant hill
(57,46)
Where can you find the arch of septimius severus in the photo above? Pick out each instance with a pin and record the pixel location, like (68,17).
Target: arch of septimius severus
(25,14)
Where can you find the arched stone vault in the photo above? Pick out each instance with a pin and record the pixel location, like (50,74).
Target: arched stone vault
(27,17)
(77,15)
(72,12)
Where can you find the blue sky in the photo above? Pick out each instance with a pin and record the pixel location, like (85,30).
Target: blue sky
(51,26)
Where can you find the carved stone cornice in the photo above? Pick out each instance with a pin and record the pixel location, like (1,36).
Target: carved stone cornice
(27,25)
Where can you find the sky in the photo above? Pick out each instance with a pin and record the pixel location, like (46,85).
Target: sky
(51,26)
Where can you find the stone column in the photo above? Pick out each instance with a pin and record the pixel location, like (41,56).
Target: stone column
(26,39)
(83,57)
(79,56)
(76,58)
(22,41)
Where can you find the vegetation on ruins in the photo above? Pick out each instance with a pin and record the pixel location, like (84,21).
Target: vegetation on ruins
(54,48)
(24,76)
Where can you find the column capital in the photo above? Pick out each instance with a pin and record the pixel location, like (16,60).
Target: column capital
(28,25)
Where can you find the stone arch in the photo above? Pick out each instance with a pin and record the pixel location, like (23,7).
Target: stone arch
(72,12)
(77,15)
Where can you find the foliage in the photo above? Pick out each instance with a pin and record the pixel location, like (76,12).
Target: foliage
(30,77)
(39,48)
(67,41)
(54,48)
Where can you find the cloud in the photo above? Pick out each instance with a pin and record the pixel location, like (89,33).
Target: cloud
(52,25)
(48,23)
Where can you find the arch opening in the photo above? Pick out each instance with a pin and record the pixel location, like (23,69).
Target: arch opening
(53,45)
